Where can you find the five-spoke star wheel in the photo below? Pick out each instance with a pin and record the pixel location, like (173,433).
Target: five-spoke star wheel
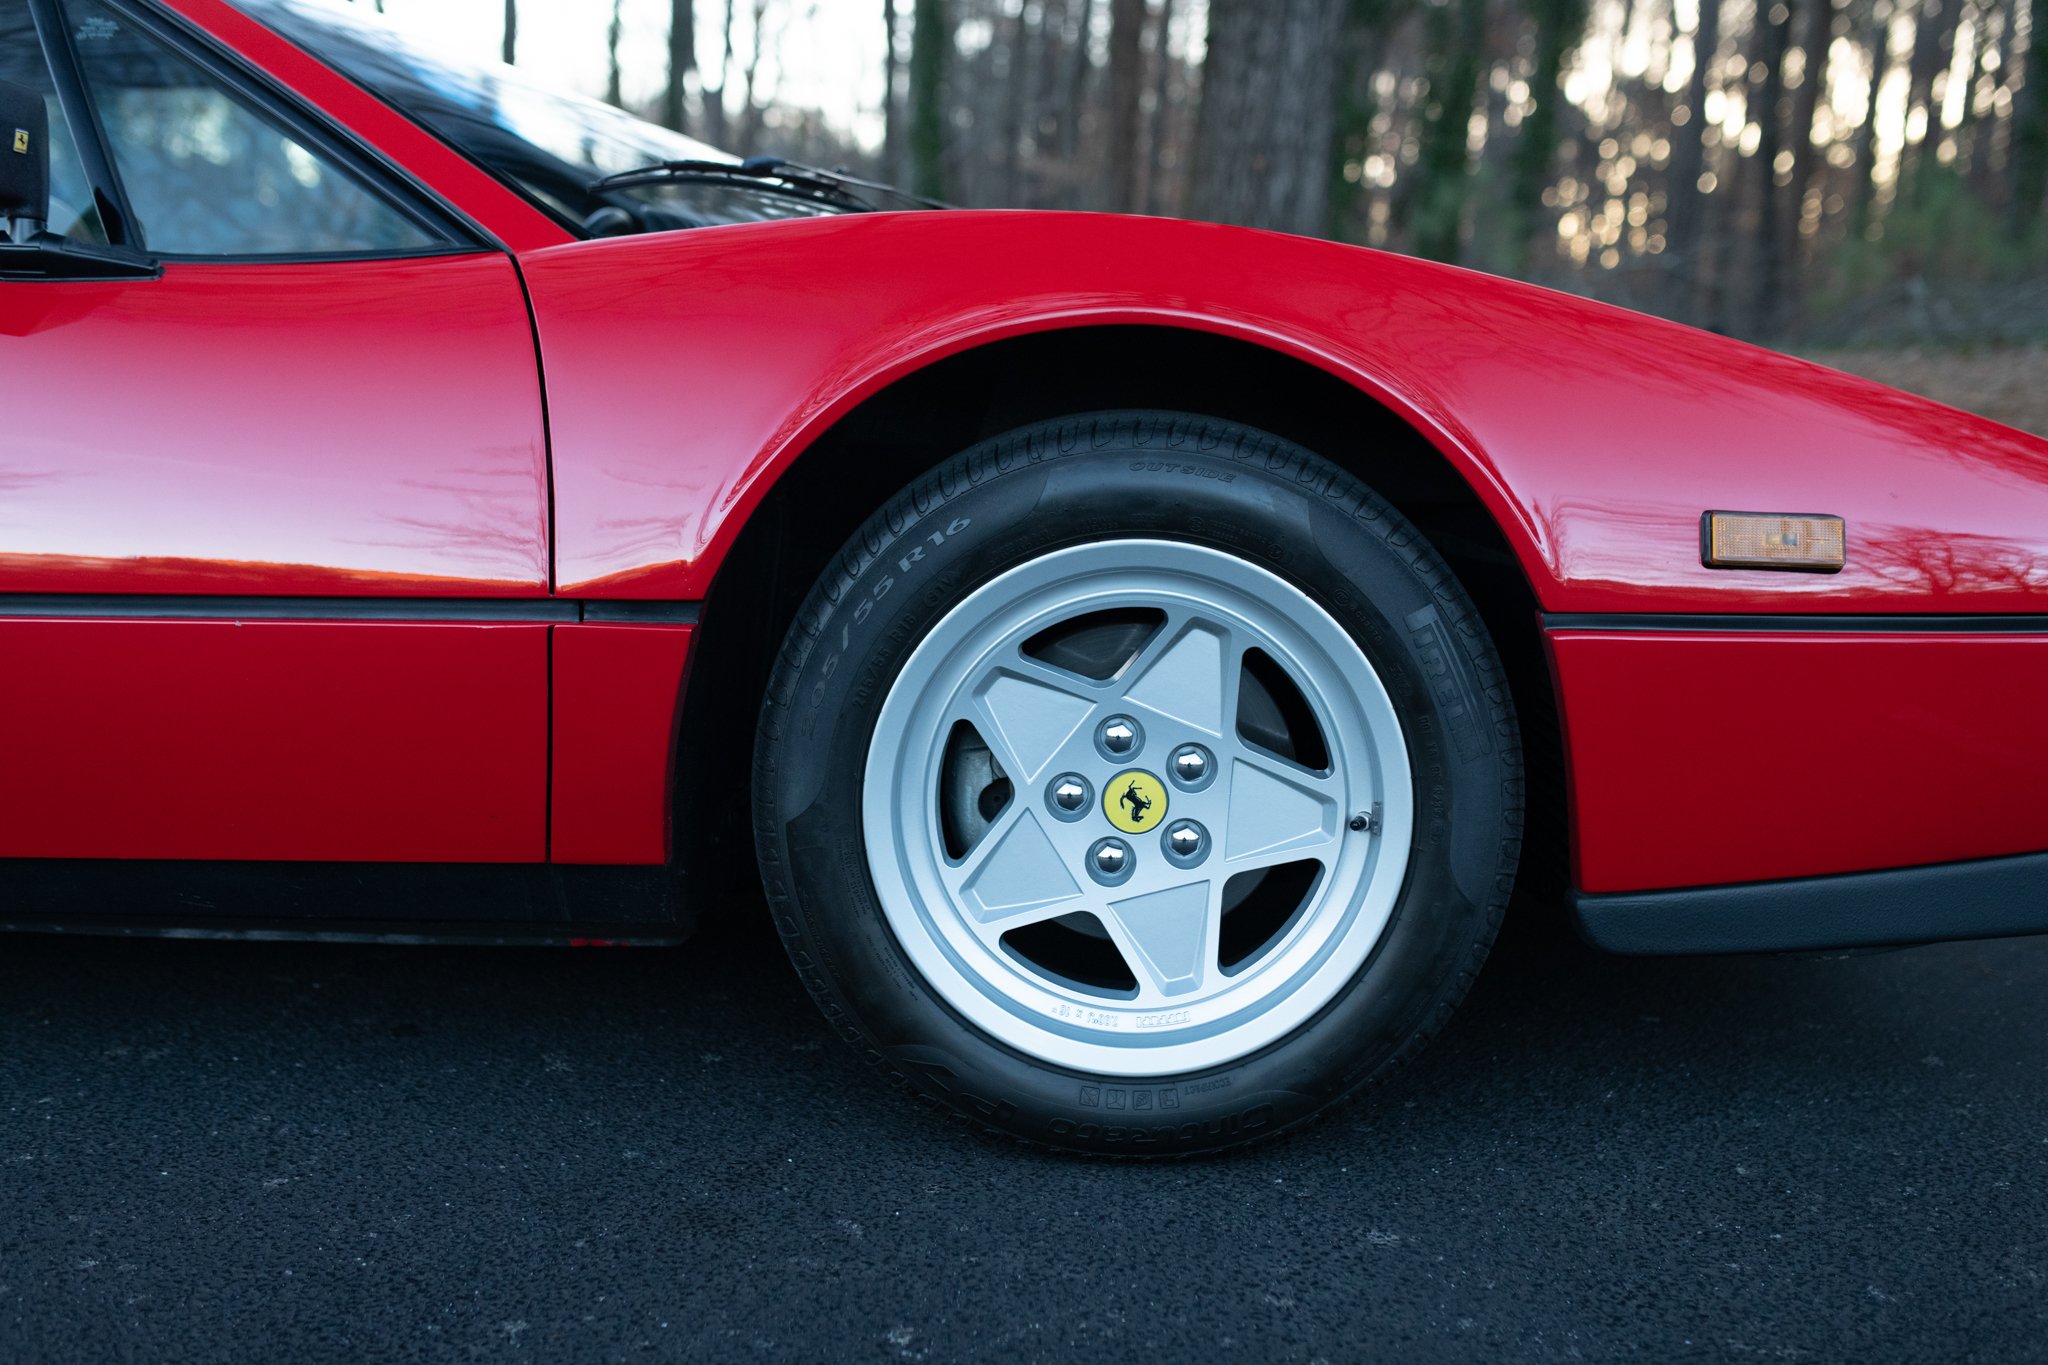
(1138,806)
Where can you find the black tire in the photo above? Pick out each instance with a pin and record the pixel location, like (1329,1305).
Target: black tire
(1174,477)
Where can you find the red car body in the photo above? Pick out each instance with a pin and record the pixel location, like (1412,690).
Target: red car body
(398,561)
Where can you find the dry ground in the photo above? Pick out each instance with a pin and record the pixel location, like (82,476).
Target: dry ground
(2007,384)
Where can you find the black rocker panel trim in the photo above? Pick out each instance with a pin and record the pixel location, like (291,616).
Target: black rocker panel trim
(1984,898)
(520,609)
(578,935)
(1956,623)
(508,901)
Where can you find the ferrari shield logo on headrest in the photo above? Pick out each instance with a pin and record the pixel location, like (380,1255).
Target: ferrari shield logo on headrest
(21,141)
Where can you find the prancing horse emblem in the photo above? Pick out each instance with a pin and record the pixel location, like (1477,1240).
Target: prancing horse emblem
(1134,800)
(1137,801)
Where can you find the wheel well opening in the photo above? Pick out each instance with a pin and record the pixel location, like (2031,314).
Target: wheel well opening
(926,417)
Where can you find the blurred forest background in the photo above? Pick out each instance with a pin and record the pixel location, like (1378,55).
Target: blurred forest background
(1810,173)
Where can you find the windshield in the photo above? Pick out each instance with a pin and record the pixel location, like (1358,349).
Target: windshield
(548,145)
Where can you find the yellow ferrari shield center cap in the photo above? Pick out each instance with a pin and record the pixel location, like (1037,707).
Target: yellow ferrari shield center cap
(1134,801)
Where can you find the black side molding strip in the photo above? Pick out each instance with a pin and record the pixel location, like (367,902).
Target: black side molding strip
(1985,898)
(672,613)
(516,609)
(1865,624)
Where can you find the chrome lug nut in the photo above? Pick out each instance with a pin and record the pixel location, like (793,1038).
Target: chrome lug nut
(1110,861)
(1191,767)
(1118,737)
(1186,843)
(1068,796)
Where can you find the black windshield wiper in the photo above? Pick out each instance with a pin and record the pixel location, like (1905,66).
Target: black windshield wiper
(840,177)
(770,174)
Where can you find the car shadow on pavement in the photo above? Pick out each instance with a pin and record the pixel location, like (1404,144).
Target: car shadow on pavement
(1547,1015)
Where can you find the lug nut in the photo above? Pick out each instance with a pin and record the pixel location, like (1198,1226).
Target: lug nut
(1068,794)
(1187,843)
(1118,737)
(1191,766)
(1109,861)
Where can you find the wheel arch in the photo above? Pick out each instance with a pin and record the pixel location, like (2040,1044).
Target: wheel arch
(812,496)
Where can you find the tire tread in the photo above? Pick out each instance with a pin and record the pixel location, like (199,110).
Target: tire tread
(1062,438)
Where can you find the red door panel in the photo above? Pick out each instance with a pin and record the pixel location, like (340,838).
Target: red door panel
(378,742)
(349,429)
(1704,757)
(617,690)
(352,428)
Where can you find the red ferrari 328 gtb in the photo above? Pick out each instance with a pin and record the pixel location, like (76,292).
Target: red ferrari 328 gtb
(1142,657)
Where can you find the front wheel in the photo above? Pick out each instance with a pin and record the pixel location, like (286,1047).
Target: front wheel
(1138,783)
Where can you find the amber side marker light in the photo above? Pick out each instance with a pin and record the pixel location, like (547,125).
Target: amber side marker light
(1772,540)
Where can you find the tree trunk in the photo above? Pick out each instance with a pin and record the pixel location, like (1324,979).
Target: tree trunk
(1433,203)
(931,39)
(1774,41)
(1685,206)
(1995,62)
(1262,136)
(1051,110)
(1559,25)
(1074,106)
(717,124)
(1162,111)
(1863,146)
(1816,38)
(511,48)
(895,163)
(750,105)
(2028,159)
(976,90)
(1934,36)
(1980,18)
(613,92)
(1126,85)
(1351,134)
(1016,101)
(682,60)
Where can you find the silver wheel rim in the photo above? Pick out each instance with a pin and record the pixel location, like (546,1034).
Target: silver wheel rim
(957,913)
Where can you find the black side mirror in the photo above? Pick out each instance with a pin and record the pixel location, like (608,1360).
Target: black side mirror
(24,156)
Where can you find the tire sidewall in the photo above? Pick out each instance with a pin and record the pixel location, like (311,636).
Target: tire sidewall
(1153,476)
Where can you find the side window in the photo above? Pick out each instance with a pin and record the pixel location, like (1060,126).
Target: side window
(21,62)
(206,172)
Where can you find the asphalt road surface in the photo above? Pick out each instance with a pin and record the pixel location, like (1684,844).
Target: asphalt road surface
(299,1152)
